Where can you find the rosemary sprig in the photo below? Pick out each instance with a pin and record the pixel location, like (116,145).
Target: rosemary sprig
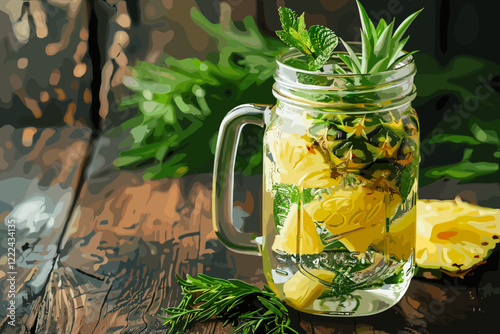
(241,304)
(381,48)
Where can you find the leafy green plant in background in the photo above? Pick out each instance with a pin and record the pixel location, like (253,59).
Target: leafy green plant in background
(470,127)
(181,103)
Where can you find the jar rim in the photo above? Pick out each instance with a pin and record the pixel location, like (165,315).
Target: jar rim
(333,81)
(343,92)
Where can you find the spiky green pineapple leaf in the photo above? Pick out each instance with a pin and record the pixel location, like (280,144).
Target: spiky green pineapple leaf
(367,49)
(403,57)
(366,23)
(398,50)
(355,65)
(404,26)
(381,46)
(382,24)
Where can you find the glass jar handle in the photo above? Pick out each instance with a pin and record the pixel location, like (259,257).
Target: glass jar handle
(223,182)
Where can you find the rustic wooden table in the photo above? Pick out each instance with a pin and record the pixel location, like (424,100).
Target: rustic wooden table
(98,252)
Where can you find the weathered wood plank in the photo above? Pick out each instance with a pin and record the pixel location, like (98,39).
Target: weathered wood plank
(137,235)
(38,181)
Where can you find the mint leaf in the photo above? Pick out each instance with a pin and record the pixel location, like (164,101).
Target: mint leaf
(408,178)
(302,37)
(285,195)
(317,44)
(289,39)
(323,41)
(288,18)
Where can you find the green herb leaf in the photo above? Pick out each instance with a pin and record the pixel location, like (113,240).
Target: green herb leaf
(294,31)
(323,41)
(233,301)
(288,18)
(317,44)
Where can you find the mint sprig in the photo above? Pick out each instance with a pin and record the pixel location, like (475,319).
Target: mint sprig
(381,46)
(317,44)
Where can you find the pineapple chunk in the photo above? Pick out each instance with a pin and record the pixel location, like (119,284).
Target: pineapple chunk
(298,162)
(454,235)
(359,240)
(356,215)
(301,290)
(402,235)
(298,237)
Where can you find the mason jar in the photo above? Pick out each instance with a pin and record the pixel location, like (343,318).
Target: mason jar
(341,154)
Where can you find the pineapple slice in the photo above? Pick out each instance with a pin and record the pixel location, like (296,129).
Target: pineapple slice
(454,235)
(298,237)
(301,290)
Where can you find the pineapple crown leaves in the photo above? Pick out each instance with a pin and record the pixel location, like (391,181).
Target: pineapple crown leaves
(317,44)
(381,45)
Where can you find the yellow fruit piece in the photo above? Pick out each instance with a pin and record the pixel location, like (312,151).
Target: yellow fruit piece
(401,240)
(299,163)
(360,240)
(357,216)
(298,236)
(303,289)
(454,235)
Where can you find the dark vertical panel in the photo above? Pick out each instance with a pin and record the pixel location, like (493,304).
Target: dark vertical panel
(96,69)
(444,20)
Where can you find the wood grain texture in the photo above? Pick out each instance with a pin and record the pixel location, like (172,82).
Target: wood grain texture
(38,179)
(124,245)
